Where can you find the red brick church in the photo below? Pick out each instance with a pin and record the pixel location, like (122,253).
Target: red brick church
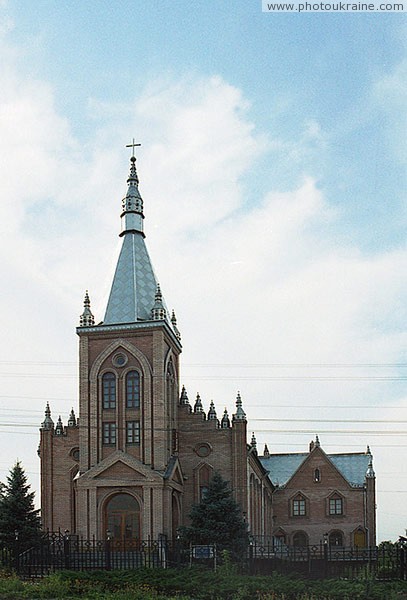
(141,453)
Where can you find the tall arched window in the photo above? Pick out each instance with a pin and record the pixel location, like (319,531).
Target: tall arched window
(109,390)
(133,389)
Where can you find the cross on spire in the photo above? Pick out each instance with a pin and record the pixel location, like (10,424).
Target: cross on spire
(132,145)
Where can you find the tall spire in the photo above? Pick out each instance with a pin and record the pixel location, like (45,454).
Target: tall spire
(134,286)
(86,319)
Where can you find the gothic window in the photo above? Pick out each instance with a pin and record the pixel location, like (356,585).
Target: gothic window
(133,389)
(317,475)
(109,434)
(335,505)
(109,390)
(204,478)
(300,539)
(133,432)
(299,506)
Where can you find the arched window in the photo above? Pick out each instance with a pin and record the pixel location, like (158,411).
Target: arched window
(300,539)
(336,538)
(109,390)
(133,389)
(317,475)
(204,475)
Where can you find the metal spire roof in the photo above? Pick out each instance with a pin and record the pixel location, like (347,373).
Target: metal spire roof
(134,286)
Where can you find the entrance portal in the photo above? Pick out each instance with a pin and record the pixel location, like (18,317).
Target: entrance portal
(122,518)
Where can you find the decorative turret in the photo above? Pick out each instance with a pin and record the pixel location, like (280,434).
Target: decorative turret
(212,412)
(266,452)
(86,319)
(370,474)
(158,312)
(239,415)
(72,419)
(198,408)
(183,399)
(174,326)
(47,423)
(368,450)
(225,423)
(59,429)
(253,443)
(317,444)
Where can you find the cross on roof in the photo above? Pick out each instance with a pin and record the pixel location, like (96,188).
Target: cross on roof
(132,145)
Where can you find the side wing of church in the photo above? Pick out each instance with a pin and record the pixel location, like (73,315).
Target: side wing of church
(141,454)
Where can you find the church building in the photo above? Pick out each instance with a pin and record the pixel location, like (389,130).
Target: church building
(140,453)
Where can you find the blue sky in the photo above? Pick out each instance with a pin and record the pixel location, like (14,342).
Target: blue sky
(273,171)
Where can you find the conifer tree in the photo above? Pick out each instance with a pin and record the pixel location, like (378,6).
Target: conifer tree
(19,519)
(217,519)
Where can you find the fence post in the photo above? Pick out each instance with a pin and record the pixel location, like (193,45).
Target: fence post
(325,555)
(66,550)
(402,563)
(16,552)
(251,561)
(108,549)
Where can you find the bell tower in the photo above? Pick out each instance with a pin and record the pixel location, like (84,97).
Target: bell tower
(128,397)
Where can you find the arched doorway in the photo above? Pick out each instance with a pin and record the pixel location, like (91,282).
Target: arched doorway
(122,519)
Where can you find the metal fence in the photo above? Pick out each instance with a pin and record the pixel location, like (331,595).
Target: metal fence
(386,562)
(70,552)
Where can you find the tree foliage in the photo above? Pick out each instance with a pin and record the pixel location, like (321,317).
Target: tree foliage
(217,519)
(19,519)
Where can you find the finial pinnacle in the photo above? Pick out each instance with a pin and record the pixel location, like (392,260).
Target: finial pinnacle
(86,319)
(239,415)
(158,312)
(47,423)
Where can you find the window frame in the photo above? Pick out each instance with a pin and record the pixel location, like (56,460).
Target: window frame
(109,391)
(335,506)
(299,506)
(134,401)
(109,433)
(133,433)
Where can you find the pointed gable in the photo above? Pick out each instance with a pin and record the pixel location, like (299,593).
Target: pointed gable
(351,466)
(121,471)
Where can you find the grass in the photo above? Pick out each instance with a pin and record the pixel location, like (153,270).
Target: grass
(193,584)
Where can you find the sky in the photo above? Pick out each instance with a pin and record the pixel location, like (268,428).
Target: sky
(273,173)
